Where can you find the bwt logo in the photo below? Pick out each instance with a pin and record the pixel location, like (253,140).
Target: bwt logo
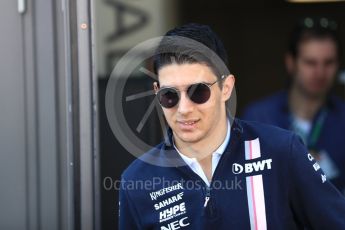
(252,167)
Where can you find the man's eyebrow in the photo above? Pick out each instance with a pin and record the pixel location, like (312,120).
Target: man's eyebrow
(182,86)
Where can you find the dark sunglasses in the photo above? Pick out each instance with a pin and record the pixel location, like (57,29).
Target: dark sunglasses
(318,23)
(198,93)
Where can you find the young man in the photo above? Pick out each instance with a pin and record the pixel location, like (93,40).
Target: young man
(308,107)
(217,172)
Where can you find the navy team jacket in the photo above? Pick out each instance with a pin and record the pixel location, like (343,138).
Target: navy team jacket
(265,180)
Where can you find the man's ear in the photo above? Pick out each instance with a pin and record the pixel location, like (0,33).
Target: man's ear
(290,64)
(155,86)
(228,85)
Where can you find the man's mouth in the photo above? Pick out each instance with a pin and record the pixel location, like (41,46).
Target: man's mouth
(187,124)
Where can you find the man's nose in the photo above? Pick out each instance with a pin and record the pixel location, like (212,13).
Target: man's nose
(185,105)
(320,69)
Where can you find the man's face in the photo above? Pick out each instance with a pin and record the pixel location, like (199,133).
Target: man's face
(315,66)
(189,121)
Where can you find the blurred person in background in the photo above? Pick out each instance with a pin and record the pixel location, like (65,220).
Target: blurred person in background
(308,106)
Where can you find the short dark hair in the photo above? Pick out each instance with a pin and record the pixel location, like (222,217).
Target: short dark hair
(169,51)
(310,28)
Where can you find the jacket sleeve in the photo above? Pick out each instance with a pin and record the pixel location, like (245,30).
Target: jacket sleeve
(316,203)
(128,218)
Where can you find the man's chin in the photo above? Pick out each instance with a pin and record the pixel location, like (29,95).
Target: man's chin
(191,138)
(315,93)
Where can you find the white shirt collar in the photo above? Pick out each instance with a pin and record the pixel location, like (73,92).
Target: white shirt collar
(220,150)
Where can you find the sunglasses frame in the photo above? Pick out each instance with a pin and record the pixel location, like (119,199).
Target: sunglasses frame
(178,92)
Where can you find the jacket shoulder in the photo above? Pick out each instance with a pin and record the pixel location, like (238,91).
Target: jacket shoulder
(265,130)
(143,164)
(273,140)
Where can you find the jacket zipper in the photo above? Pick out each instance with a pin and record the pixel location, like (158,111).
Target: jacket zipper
(207,197)
(216,172)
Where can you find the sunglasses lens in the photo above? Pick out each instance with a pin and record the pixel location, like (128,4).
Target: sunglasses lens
(199,93)
(168,98)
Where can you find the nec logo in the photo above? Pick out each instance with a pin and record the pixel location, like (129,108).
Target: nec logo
(252,167)
(176,224)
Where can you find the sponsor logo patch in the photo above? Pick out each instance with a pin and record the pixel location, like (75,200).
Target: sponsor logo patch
(168,201)
(252,167)
(172,212)
(176,224)
(163,191)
